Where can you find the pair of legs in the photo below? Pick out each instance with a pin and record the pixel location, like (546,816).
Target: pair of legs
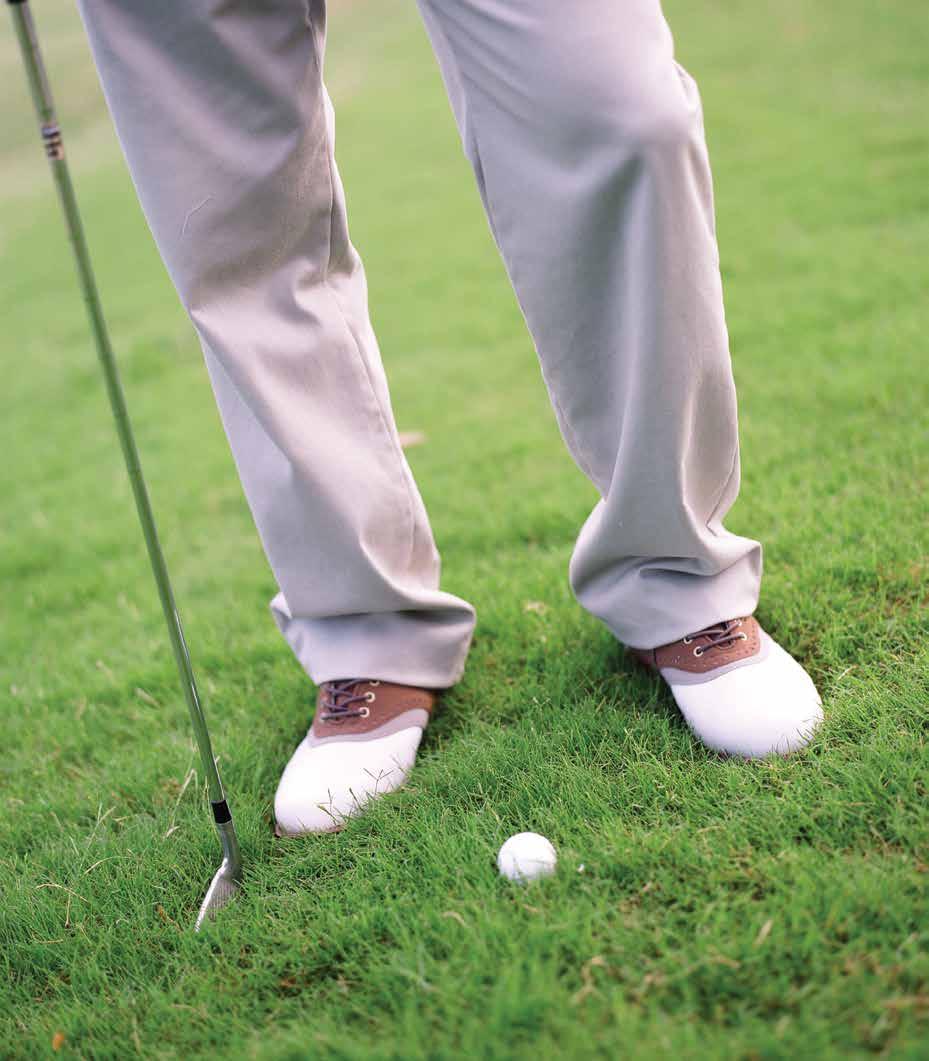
(586,140)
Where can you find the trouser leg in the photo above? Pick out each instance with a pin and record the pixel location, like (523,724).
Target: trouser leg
(586,138)
(228,132)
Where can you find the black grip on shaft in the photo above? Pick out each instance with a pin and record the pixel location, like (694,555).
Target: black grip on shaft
(221,812)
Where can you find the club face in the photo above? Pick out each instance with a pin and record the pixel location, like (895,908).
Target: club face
(223,889)
(227,881)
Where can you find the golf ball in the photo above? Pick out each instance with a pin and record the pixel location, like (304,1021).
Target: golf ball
(526,856)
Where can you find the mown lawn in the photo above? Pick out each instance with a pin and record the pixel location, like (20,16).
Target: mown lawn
(703,908)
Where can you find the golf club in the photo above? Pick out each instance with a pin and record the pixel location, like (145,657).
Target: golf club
(227,879)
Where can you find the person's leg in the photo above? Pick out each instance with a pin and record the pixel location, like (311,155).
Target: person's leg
(228,133)
(586,138)
(588,146)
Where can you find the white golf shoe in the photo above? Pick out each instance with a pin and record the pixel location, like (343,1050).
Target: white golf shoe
(362,744)
(738,690)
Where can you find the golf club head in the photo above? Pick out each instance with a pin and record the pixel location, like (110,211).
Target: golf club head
(227,881)
(223,888)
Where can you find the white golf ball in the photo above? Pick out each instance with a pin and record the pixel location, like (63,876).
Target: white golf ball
(526,856)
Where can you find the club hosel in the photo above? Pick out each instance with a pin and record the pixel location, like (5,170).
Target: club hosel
(232,856)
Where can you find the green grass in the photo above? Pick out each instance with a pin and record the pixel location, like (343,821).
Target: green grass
(723,909)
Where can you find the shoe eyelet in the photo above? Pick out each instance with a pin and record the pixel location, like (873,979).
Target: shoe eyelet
(687,640)
(698,651)
(364,712)
(743,636)
(370,697)
(377,682)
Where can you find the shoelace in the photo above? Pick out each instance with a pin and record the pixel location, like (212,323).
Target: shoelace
(720,635)
(338,700)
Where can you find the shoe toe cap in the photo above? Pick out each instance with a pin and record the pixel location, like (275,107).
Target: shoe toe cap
(327,783)
(767,708)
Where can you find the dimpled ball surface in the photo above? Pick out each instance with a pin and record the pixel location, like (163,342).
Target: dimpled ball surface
(526,856)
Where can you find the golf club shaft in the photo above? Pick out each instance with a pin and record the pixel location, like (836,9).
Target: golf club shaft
(51,136)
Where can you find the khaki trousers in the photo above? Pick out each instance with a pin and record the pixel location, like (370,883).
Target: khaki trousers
(587,143)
